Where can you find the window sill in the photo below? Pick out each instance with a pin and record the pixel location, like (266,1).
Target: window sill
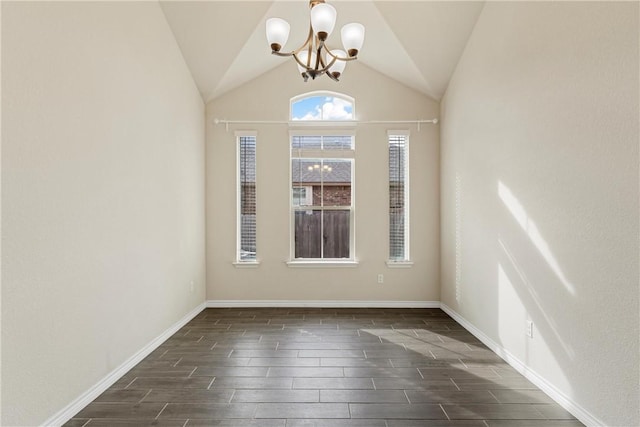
(246,264)
(399,264)
(322,264)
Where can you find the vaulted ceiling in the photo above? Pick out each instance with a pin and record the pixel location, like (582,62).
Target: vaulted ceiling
(417,43)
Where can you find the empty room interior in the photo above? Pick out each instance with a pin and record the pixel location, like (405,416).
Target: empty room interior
(320,214)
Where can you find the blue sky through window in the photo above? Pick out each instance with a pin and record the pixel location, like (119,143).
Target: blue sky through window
(322,107)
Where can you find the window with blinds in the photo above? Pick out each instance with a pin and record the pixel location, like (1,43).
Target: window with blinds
(398,196)
(246,197)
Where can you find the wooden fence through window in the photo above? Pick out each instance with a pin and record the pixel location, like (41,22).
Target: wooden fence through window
(334,234)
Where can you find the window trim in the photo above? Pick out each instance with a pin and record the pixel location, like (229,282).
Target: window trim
(309,263)
(348,154)
(406,262)
(238,262)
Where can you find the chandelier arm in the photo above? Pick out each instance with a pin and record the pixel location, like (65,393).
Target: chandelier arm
(308,64)
(295,56)
(298,50)
(349,58)
(330,64)
(332,77)
(305,74)
(273,52)
(325,71)
(302,64)
(310,43)
(325,66)
(319,60)
(322,63)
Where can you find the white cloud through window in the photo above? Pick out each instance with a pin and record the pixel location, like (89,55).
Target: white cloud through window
(323,108)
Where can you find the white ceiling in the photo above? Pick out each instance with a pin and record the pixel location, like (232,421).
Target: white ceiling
(414,42)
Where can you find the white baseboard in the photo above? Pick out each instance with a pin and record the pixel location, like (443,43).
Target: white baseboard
(322,304)
(88,396)
(562,399)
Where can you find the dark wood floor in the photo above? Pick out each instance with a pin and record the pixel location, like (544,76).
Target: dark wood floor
(323,367)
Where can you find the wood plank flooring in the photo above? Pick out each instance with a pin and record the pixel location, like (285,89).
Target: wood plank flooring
(310,367)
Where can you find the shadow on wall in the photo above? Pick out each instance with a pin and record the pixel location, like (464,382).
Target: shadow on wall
(529,270)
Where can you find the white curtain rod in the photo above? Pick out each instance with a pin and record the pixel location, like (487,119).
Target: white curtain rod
(309,123)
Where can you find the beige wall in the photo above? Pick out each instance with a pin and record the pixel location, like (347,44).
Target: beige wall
(267,98)
(102,195)
(540,195)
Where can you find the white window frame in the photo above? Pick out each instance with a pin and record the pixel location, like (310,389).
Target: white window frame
(349,154)
(239,262)
(406,261)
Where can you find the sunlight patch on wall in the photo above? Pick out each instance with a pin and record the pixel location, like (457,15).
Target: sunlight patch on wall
(520,215)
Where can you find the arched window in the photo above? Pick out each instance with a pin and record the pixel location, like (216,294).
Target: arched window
(321,105)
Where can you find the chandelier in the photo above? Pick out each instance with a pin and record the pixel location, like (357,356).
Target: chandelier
(314,57)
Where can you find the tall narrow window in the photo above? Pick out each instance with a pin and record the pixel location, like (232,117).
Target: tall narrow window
(322,197)
(246,197)
(398,196)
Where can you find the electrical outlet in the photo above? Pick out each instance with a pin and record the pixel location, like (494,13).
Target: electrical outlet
(380,278)
(529,328)
(192,286)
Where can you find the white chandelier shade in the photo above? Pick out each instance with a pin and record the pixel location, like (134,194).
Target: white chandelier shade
(323,19)
(353,37)
(314,57)
(277,32)
(338,66)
